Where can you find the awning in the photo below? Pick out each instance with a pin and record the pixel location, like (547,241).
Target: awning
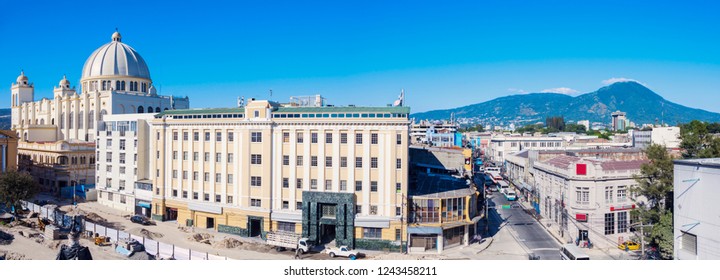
(424,230)
(144,204)
(207,208)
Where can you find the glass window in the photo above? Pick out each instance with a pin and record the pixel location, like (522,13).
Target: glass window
(299,161)
(256,137)
(343,138)
(609,223)
(218,136)
(286,137)
(313,184)
(374,138)
(358,162)
(255,181)
(207,136)
(343,185)
(373,186)
(372,233)
(286,183)
(231,137)
(300,137)
(286,160)
(328,161)
(328,138)
(358,138)
(255,159)
(313,161)
(373,162)
(328,185)
(343,161)
(358,186)
(299,183)
(313,137)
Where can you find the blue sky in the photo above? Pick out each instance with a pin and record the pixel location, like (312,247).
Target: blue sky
(364,52)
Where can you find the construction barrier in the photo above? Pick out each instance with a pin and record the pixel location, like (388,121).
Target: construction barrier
(152,247)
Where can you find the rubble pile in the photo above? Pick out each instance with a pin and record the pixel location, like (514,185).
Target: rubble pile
(228,243)
(5,255)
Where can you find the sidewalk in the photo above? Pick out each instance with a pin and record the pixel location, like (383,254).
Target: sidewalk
(595,253)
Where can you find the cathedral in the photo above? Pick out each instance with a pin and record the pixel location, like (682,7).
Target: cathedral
(57,135)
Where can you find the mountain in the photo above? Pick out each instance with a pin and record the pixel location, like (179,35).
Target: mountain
(641,104)
(5,118)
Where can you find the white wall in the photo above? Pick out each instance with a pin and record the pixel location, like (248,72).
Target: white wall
(697,210)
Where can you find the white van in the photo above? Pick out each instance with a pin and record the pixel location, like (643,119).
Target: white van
(572,252)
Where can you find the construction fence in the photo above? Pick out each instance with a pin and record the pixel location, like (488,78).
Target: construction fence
(158,249)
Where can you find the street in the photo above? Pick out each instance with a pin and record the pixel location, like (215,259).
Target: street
(509,215)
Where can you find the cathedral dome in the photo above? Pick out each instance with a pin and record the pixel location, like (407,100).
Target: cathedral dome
(115,59)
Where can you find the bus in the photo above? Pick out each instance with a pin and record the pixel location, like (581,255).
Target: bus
(572,252)
(502,186)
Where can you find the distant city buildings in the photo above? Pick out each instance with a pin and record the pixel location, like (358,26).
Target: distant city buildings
(619,121)
(668,136)
(437,134)
(585,123)
(502,145)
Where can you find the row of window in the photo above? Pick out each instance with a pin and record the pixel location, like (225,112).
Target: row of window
(209,116)
(255,181)
(300,138)
(328,185)
(340,115)
(255,158)
(255,136)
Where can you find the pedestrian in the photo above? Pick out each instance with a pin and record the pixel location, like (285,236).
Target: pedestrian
(297,251)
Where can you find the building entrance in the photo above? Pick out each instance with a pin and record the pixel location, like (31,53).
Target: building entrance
(327,233)
(255,227)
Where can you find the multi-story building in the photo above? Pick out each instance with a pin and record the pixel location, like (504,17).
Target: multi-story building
(123,178)
(589,196)
(331,173)
(668,136)
(8,151)
(696,222)
(443,203)
(502,145)
(115,80)
(438,134)
(619,120)
(58,164)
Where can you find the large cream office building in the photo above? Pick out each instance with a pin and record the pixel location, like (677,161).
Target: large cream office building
(331,173)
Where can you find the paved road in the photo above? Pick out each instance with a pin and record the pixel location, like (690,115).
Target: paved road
(524,227)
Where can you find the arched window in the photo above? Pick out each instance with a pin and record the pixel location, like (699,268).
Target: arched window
(25,136)
(62,120)
(104,85)
(157,109)
(52,122)
(70,120)
(150,109)
(22,123)
(117,85)
(165,109)
(141,109)
(91,119)
(42,121)
(122,85)
(102,114)
(80,119)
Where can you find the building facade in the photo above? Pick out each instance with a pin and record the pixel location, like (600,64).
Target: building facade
(115,80)
(696,225)
(668,136)
(588,197)
(8,151)
(123,163)
(502,145)
(331,173)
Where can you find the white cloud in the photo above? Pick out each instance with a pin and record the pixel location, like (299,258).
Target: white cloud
(563,90)
(617,80)
(516,90)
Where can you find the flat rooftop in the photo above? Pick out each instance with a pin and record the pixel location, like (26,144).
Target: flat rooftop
(709,162)
(440,186)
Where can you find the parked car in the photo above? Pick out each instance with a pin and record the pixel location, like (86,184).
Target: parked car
(629,245)
(342,251)
(138,219)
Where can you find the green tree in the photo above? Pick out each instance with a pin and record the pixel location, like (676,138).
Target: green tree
(662,235)
(655,183)
(16,186)
(697,141)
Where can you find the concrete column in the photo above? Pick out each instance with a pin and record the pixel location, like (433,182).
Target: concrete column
(440,243)
(466,237)
(4,158)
